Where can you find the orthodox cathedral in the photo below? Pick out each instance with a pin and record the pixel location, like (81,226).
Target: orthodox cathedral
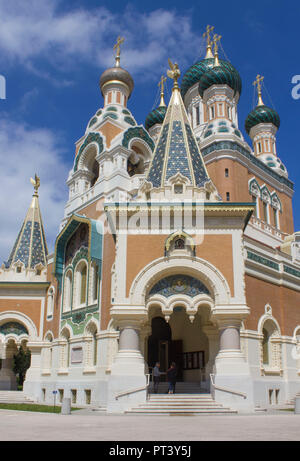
(177,245)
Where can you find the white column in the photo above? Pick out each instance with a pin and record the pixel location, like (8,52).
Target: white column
(32,384)
(232,371)
(127,370)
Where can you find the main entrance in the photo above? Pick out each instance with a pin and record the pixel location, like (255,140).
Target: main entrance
(162,349)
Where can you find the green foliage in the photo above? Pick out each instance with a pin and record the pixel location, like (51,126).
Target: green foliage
(21,364)
(32,407)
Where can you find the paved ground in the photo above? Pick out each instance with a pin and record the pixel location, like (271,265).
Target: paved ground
(88,425)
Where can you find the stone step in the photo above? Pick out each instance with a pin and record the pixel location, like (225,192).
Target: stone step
(180,404)
(14,397)
(183,411)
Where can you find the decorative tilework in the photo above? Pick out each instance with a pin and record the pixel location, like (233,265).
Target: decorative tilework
(224,74)
(262,260)
(155,172)
(177,155)
(137,132)
(13,328)
(179,284)
(129,120)
(92,137)
(261,114)
(290,270)
(156,116)
(93,121)
(197,161)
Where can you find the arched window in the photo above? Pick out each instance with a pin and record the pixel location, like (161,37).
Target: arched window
(91,350)
(68,284)
(80,287)
(47,353)
(271,360)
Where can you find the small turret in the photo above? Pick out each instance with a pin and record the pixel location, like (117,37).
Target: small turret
(116,83)
(261,125)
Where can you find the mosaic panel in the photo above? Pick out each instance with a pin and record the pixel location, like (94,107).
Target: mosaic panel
(13,328)
(178,156)
(179,284)
(197,161)
(156,169)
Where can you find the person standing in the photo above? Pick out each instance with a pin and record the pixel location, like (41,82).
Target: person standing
(156,377)
(171,375)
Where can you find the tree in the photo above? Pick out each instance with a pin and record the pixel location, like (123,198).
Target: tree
(21,364)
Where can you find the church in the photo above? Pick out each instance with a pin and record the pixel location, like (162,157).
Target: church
(177,245)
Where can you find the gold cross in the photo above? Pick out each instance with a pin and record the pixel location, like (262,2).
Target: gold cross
(161,83)
(117,46)
(257,83)
(206,34)
(216,39)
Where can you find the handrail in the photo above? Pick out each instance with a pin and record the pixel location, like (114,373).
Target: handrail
(138,389)
(225,389)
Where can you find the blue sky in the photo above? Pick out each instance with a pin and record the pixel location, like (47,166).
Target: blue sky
(52,53)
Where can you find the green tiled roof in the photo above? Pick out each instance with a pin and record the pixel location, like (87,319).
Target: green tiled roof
(221,75)
(195,72)
(156,116)
(261,114)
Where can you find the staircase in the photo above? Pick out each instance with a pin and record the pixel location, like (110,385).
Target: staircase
(180,404)
(14,397)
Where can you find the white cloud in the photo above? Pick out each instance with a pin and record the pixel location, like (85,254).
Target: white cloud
(65,38)
(24,152)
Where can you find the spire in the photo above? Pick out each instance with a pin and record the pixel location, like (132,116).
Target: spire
(161,85)
(257,83)
(30,247)
(206,35)
(177,150)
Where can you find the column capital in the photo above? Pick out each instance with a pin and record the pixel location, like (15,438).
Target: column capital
(229,314)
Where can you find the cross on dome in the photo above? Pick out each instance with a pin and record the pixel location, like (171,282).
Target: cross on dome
(257,83)
(206,35)
(117,47)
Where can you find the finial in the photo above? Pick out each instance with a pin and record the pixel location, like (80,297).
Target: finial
(216,39)
(161,85)
(36,184)
(174,73)
(117,47)
(257,82)
(206,35)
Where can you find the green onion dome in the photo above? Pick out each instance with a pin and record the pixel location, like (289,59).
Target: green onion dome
(196,71)
(156,116)
(261,114)
(224,74)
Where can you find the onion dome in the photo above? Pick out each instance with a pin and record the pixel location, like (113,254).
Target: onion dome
(156,116)
(261,114)
(194,74)
(222,74)
(117,74)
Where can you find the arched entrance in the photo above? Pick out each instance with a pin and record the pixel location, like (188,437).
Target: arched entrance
(13,335)
(179,316)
